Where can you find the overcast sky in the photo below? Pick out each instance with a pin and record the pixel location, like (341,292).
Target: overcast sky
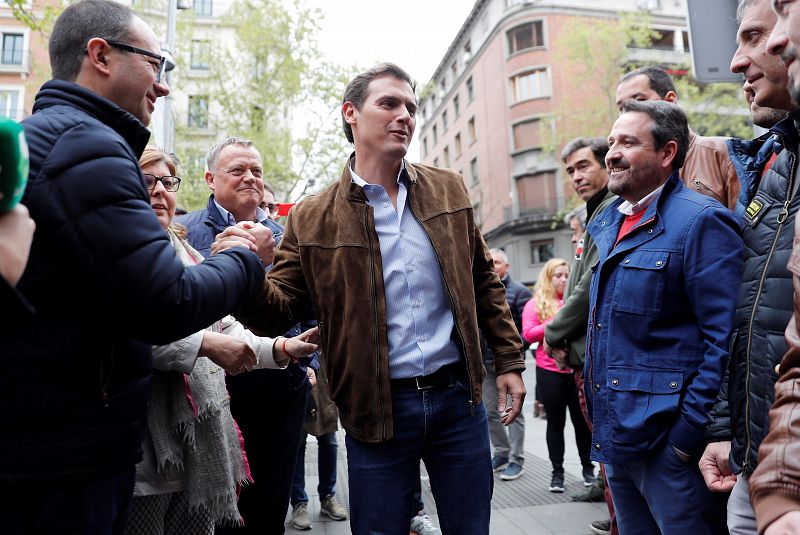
(414,34)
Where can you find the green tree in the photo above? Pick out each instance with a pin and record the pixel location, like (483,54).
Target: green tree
(274,87)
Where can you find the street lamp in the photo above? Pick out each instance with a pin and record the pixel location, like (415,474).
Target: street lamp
(168,122)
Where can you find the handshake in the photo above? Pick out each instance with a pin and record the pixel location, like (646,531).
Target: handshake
(254,236)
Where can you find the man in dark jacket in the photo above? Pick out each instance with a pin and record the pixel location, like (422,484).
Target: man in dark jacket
(766,208)
(508,443)
(268,405)
(103,278)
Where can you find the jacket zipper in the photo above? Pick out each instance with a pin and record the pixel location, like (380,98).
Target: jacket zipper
(375,322)
(471,401)
(780,219)
(705,190)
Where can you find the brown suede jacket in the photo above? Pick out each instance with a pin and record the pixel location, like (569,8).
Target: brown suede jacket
(775,484)
(330,256)
(708,169)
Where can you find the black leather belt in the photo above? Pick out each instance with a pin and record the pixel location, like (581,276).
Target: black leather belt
(441,378)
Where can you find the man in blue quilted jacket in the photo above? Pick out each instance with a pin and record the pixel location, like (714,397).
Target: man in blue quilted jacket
(103,279)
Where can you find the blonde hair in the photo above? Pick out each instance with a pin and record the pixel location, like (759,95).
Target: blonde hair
(153,155)
(545,292)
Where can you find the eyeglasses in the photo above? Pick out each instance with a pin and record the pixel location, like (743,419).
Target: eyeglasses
(162,61)
(171,183)
(272,207)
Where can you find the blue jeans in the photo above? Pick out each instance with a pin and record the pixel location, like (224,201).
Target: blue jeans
(327,468)
(662,494)
(439,427)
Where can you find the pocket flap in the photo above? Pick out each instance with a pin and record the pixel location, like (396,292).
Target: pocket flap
(652,380)
(646,260)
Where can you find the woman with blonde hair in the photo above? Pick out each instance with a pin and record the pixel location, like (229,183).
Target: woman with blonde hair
(194,461)
(556,386)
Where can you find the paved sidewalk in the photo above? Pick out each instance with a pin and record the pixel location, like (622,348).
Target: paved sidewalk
(520,507)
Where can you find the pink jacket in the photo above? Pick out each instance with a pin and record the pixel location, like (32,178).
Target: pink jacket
(533,332)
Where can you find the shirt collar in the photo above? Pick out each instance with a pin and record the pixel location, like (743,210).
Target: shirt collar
(358,181)
(628,208)
(261,215)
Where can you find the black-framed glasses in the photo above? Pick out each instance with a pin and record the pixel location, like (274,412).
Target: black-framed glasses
(170,183)
(162,61)
(271,207)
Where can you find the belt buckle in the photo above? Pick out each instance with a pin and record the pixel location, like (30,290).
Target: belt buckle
(421,386)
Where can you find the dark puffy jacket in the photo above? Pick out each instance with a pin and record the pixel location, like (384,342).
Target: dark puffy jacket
(105,284)
(767,206)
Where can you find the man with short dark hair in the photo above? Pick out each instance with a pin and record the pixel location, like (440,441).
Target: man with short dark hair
(767,209)
(707,168)
(103,278)
(662,301)
(401,281)
(565,335)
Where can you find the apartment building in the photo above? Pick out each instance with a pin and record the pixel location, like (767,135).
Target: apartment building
(490,109)
(24,64)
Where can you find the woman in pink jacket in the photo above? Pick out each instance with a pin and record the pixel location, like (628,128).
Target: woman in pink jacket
(556,386)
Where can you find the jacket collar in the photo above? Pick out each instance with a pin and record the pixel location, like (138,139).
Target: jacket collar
(594,202)
(61,92)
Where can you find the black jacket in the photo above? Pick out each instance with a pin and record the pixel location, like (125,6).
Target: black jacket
(767,206)
(105,284)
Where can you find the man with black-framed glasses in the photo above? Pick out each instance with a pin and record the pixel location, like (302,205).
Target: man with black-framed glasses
(103,278)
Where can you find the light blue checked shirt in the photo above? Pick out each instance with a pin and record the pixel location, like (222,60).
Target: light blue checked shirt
(420,322)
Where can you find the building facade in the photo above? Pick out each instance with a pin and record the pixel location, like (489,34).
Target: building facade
(490,112)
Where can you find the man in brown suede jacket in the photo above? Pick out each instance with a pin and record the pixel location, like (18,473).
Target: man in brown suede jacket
(401,281)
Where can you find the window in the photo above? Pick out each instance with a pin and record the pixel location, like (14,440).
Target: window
(531,84)
(470,91)
(446,156)
(467,52)
(198,111)
(444,121)
(424,147)
(524,37)
(471,130)
(542,251)
(473,171)
(663,40)
(457,143)
(527,135)
(11,103)
(536,193)
(435,136)
(204,8)
(436,162)
(443,87)
(12,49)
(647,4)
(201,53)
(454,70)
(456,107)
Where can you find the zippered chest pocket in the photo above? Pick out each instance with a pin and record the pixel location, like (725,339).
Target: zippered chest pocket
(641,281)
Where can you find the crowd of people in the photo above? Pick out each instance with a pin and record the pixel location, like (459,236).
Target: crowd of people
(158,371)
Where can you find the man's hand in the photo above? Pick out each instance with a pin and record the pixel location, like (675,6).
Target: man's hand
(312,376)
(786,524)
(263,239)
(510,384)
(233,237)
(558,354)
(716,467)
(16,235)
(231,354)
